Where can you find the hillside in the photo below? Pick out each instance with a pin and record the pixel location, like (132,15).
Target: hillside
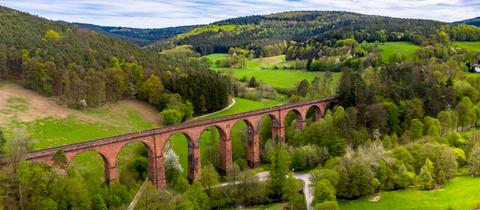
(52,124)
(137,35)
(473,21)
(268,31)
(85,68)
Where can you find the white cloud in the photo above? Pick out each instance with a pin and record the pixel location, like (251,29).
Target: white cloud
(161,13)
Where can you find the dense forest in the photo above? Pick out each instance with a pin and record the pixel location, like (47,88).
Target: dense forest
(473,21)
(88,69)
(262,33)
(138,36)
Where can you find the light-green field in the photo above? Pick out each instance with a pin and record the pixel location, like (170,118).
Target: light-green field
(402,48)
(262,70)
(472,46)
(459,193)
(216,57)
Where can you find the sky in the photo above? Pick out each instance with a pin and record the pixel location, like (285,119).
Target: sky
(165,13)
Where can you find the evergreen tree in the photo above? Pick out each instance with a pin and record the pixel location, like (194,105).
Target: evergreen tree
(424,179)
(253,82)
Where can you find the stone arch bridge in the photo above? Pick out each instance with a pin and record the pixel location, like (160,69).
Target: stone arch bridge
(155,140)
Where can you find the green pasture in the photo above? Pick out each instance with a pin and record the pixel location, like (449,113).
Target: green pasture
(263,71)
(407,49)
(459,193)
(472,46)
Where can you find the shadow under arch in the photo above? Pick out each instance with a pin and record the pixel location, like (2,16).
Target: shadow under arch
(86,163)
(132,154)
(182,144)
(269,134)
(212,139)
(244,139)
(314,113)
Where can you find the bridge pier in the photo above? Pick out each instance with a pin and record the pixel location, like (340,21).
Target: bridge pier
(159,180)
(225,155)
(278,134)
(194,169)
(301,124)
(111,173)
(253,154)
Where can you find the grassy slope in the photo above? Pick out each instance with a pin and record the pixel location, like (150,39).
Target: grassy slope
(275,78)
(403,48)
(459,193)
(215,57)
(473,46)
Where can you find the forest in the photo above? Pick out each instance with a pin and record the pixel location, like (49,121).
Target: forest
(265,34)
(138,36)
(88,69)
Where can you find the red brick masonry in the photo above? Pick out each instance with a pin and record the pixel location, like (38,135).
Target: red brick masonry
(155,140)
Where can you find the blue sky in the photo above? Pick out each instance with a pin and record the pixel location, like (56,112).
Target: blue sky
(163,13)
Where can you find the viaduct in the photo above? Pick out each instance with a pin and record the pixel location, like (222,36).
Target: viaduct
(155,140)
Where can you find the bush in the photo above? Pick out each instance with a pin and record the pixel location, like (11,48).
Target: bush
(443,158)
(328,174)
(323,191)
(171,116)
(474,161)
(308,157)
(327,205)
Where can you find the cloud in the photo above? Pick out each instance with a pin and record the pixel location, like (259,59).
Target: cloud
(163,13)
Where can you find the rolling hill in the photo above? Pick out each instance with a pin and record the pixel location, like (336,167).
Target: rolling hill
(473,21)
(260,32)
(137,35)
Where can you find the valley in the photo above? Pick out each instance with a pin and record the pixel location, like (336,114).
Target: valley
(379,112)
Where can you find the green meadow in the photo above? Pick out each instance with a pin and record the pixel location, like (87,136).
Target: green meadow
(406,49)
(263,70)
(472,46)
(460,193)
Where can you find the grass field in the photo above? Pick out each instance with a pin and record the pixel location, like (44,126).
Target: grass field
(459,193)
(262,70)
(244,105)
(472,46)
(215,57)
(402,48)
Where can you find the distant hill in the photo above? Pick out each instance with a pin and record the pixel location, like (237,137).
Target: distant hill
(473,21)
(137,35)
(260,31)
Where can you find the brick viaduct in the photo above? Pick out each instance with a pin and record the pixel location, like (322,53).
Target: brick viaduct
(156,139)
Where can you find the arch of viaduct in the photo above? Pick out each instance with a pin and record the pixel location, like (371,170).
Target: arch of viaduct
(155,140)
